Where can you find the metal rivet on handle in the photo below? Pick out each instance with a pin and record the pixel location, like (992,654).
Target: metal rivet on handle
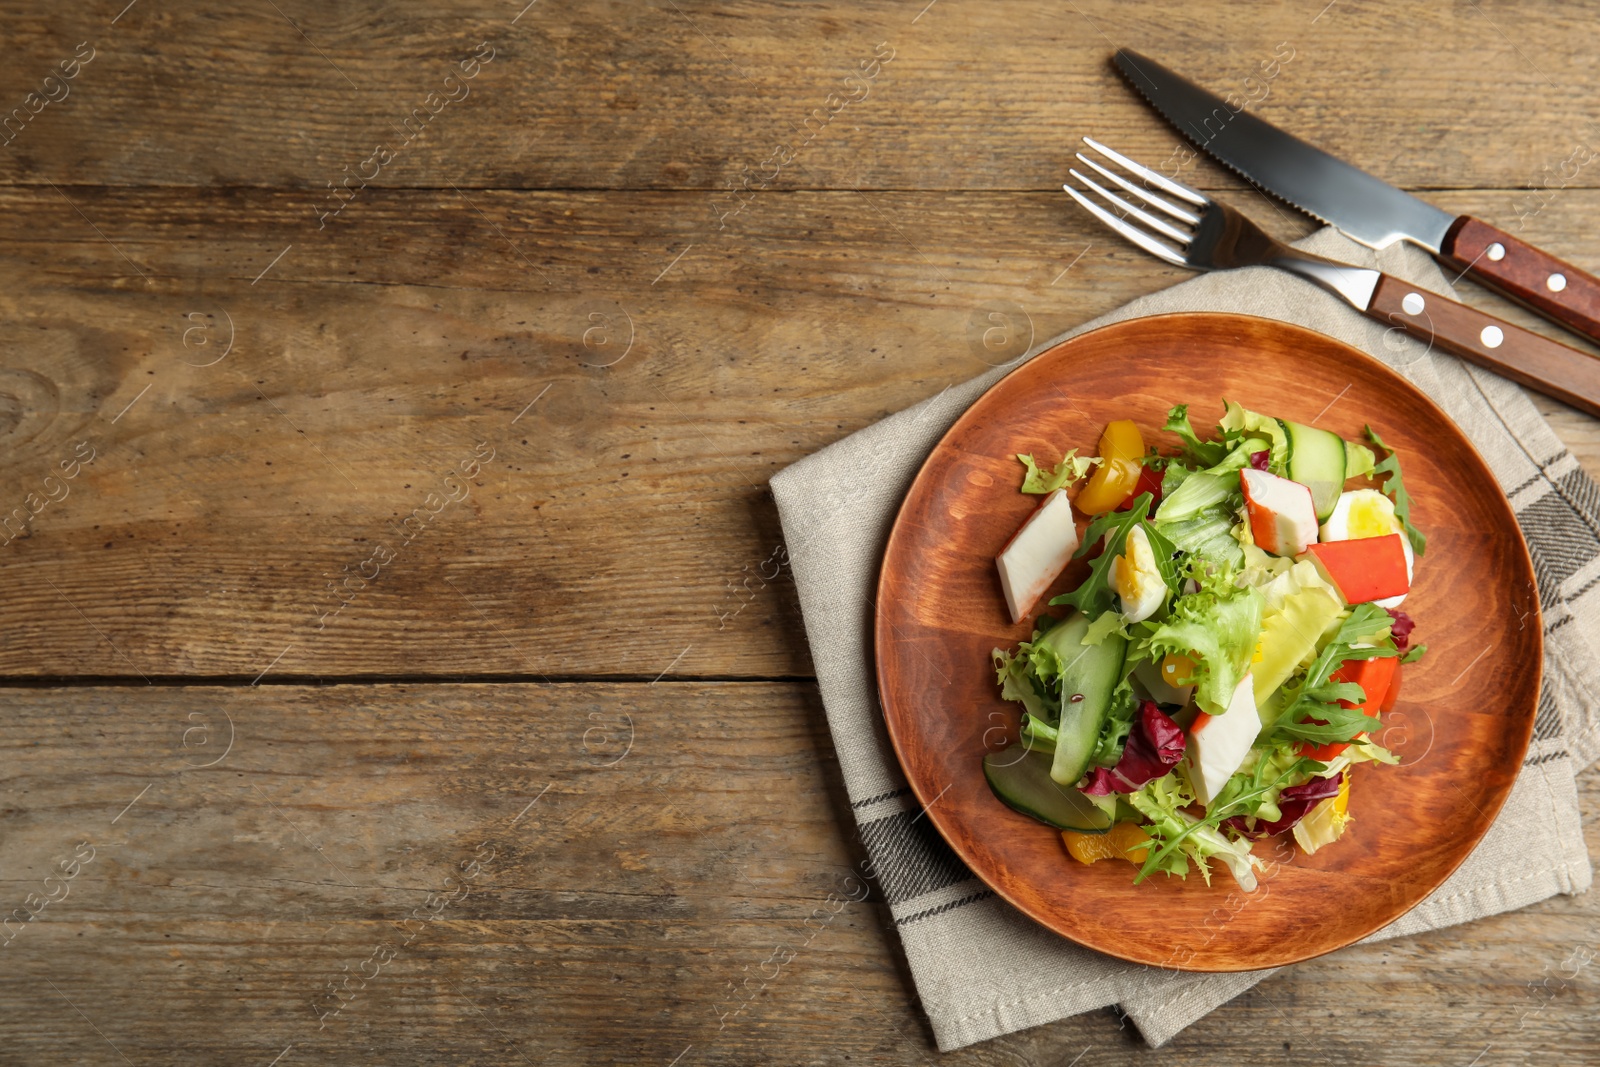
(1491,336)
(1413,304)
(1556,282)
(1496,251)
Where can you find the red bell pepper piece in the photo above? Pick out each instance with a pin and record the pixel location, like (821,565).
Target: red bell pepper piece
(1149,482)
(1367,568)
(1377,677)
(1393,696)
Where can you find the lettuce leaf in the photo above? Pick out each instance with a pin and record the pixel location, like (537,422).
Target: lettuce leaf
(1109,622)
(1179,837)
(1194,494)
(1201,453)
(1118,725)
(1154,746)
(1049,479)
(1208,533)
(1358,460)
(1238,422)
(1039,736)
(1241,456)
(1017,673)
(1217,626)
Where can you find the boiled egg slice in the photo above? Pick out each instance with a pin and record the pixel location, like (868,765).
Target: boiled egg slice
(1369,513)
(1136,578)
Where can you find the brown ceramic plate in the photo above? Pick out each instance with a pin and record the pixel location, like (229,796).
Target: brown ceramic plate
(1466,709)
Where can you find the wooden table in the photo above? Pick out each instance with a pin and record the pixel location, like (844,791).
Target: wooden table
(397,640)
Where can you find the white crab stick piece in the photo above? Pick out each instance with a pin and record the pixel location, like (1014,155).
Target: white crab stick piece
(1218,744)
(1283,519)
(1037,553)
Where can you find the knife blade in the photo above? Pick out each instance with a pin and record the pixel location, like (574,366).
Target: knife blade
(1363,207)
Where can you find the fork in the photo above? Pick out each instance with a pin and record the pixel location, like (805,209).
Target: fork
(1189,229)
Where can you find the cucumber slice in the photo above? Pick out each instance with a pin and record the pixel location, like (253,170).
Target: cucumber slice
(1316,460)
(1024,784)
(1090,672)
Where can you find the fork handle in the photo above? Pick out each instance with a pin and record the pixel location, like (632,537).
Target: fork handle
(1527,358)
(1557,290)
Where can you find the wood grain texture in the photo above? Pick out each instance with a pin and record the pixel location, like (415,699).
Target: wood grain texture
(614,915)
(231,494)
(939,606)
(671,94)
(613,158)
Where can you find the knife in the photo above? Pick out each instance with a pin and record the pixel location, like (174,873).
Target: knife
(1365,208)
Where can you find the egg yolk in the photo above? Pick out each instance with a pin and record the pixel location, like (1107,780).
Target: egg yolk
(1369,514)
(1133,572)
(1124,577)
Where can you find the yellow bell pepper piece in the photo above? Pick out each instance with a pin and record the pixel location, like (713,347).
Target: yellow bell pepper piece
(1121,452)
(1125,840)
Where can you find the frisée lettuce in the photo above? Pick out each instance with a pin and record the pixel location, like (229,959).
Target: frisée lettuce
(1258,646)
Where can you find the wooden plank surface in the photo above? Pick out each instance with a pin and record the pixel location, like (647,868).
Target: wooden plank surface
(678,833)
(231,486)
(672,95)
(589,266)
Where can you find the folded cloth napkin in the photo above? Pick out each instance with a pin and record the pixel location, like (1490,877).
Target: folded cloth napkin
(983,969)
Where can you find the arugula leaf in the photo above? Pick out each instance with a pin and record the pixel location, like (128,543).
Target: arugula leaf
(1257,788)
(1166,554)
(1339,723)
(1414,654)
(1241,796)
(1396,489)
(1094,596)
(1313,696)
(1049,479)
(1366,623)
(1204,453)
(1337,691)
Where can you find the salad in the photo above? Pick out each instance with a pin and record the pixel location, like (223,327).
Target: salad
(1221,671)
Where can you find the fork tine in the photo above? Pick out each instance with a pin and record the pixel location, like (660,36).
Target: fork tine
(1157,202)
(1137,236)
(1161,226)
(1160,181)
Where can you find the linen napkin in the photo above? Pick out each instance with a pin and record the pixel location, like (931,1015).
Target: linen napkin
(983,969)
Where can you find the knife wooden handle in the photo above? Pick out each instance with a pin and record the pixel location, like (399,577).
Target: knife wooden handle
(1537,362)
(1557,290)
